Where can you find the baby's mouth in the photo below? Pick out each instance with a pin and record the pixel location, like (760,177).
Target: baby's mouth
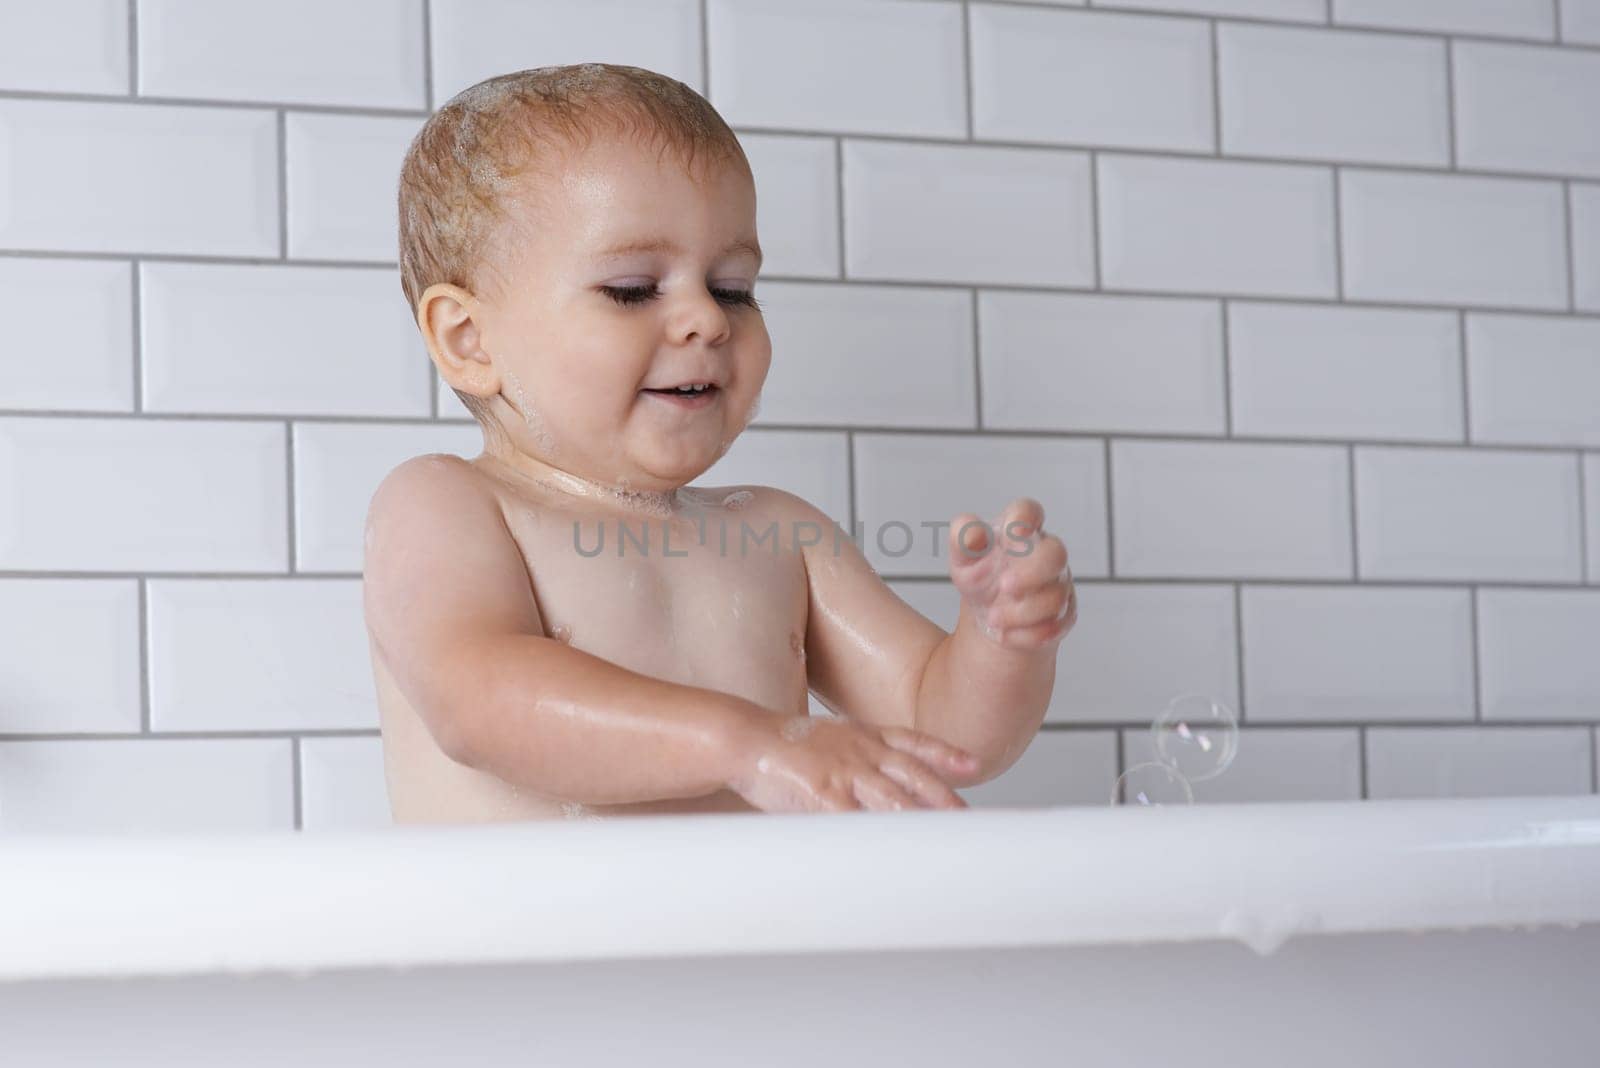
(687,396)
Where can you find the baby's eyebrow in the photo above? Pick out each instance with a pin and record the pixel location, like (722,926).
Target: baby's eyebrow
(662,244)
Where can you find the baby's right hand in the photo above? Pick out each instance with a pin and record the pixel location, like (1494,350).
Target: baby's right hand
(829,764)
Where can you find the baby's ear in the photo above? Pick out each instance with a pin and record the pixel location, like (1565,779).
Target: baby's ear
(455,340)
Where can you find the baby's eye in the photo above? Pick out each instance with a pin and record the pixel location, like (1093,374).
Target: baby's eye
(628,295)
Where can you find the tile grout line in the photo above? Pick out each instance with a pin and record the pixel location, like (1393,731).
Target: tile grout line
(1338,233)
(1466,387)
(133,48)
(288,459)
(1450,94)
(1216,92)
(143,591)
(1327,12)
(1227,369)
(850,474)
(1361,732)
(1111,522)
(1094,219)
(1583,523)
(1355,525)
(921,430)
(283,185)
(1560,31)
(838,193)
(705,48)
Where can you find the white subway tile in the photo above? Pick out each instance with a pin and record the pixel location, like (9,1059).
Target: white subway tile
(342,784)
(1129,81)
(1068,361)
(866,66)
(1357,654)
(54,308)
(1466,515)
(1527,108)
(1335,372)
(146,786)
(1477,761)
(1315,94)
(1580,21)
(336,470)
(797,203)
(477,39)
(259,654)
(874,355)
(1134,648)
(813,465)
(1274,764)
(71,655)
(1288,10)
(123,177)
(341,175)
(1537,655)
(1230,510)
(217,338)
(967,214)
(68,46)
(1216,226)
(1586,246)
(1058,768)
(355,52)
(1534,379)
(181,494)
(1137,646)
(1453,239)
(980,475)
(1591,494)
(1490,18)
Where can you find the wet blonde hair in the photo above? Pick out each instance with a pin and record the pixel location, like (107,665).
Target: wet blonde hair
(460,172)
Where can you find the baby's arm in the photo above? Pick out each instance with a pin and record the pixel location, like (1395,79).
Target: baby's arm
(448,604)
(876,659)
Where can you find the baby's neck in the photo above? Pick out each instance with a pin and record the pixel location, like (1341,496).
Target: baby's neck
(530,471)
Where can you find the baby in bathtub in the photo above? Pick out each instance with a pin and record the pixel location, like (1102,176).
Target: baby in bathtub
(563,625)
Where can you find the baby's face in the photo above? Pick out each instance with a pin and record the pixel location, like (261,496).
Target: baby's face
(588,323)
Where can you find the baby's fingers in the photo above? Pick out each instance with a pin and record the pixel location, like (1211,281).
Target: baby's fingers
(875,790)
(931,751)
(916,777)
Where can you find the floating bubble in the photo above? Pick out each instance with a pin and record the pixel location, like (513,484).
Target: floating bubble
(1151,783)
(1197,736)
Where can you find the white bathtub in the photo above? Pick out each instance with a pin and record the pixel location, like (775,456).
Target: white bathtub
(1261,934)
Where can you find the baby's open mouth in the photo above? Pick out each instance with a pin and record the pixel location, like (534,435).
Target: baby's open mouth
(685,391)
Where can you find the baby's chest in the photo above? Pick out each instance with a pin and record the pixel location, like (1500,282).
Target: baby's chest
(694,614)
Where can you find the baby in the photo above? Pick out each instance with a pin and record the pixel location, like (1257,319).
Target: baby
(563,625)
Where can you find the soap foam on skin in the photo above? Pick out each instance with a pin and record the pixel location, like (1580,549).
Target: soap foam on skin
(531,417)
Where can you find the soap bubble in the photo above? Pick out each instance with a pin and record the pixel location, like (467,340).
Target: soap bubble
(1151,783)
(1197,736)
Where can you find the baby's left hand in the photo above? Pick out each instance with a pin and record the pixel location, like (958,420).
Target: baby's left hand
(1015,577)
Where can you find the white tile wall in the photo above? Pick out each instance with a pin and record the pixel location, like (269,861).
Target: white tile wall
(1527,108)
(1311,94)
(52,306)
(1580,21)
(300,340)
(934,214)
(340,173)
(1230,510)
(1537,651)
(70,46)
(1467,515)
(50,629)
(342,785)
(477,39)
(1091,78)
(1586,245)
(1477,761)
(895,498)
(1345,653)
(1074,362)
(854,354)
(869,66)
(1208,226)
(1534,380)
(1323,371)
(1504,18)
(258,654)
(1438,239)
(1274,764)
(1177,268)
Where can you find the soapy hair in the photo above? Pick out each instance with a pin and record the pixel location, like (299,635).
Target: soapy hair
(468,162)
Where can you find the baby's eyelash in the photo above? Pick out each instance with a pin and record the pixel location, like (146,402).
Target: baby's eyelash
(627,295)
